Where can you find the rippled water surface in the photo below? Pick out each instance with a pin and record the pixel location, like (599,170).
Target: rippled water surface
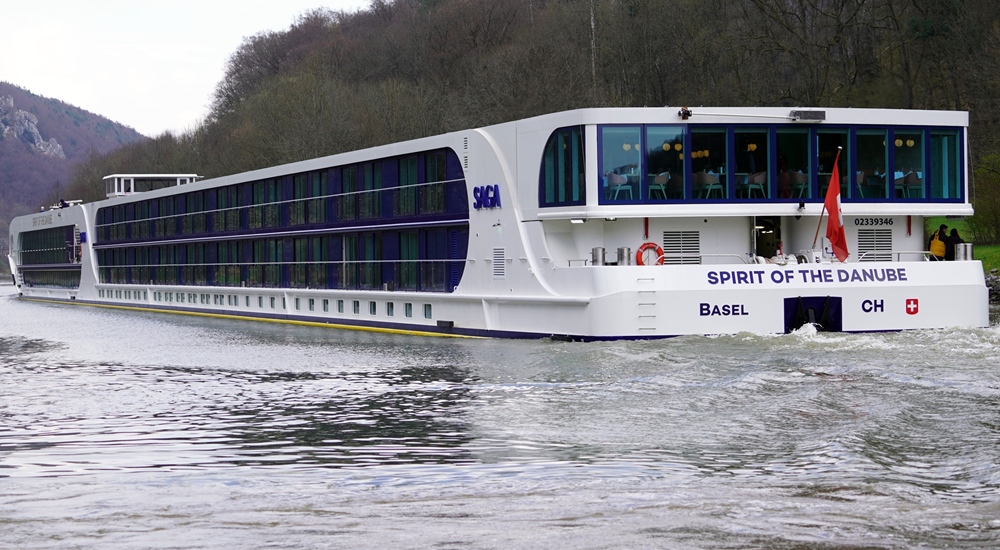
(132,430)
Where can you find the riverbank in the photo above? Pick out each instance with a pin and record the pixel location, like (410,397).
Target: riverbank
(993,285)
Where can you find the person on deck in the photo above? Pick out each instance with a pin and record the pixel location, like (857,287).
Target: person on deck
(949,245)
(936,244)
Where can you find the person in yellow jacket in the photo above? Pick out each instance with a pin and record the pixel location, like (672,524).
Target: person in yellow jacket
(936,244)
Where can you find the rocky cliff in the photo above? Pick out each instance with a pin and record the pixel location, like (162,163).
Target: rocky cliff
(23,126)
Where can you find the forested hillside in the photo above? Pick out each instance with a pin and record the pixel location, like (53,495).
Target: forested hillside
(408,68)
(42,140)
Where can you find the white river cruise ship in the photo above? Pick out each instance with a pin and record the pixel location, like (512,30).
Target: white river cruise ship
(589,224)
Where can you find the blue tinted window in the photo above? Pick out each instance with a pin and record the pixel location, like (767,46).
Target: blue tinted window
(562,180)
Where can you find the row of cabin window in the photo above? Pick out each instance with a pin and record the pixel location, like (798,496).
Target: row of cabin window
(425,260)
(374,190)
(119,294)
(663,164)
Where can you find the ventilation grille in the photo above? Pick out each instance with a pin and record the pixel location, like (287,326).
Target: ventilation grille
(681,247)
(499,262)
(465,152)
(878,244)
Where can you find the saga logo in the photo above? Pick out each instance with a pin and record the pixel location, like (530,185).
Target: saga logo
(486,196)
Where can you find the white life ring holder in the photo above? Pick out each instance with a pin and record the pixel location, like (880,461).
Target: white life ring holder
(645,247)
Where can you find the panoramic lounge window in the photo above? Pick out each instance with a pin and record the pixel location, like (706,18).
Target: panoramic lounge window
(709,158)
(828,142)
(946,182)
(665,161)
(794,181)
(621,163)
(562,181)
(754,172)
(908,168)
(873,158)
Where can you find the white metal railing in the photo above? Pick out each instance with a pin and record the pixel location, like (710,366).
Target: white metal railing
(343,195)
(925,254)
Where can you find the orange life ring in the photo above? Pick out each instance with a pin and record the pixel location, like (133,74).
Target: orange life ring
(646,247)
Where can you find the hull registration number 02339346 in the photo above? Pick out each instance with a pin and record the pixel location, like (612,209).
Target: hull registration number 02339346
(872,221)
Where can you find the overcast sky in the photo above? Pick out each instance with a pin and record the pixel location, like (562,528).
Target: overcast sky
(148,64)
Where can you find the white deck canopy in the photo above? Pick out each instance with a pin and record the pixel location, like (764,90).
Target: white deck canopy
(118,185)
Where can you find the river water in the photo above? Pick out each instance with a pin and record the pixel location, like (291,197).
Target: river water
(135,430)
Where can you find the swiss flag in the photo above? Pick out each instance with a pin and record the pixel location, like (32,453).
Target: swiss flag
(912,306)
(835,223)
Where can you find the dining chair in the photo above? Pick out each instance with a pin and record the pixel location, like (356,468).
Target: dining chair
(913,185)
(757,182)
(618,184)
(706,183)
(675,187)
(659,185)
(800,183)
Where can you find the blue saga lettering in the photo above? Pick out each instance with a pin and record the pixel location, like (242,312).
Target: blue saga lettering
(725,310)
(486,196)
